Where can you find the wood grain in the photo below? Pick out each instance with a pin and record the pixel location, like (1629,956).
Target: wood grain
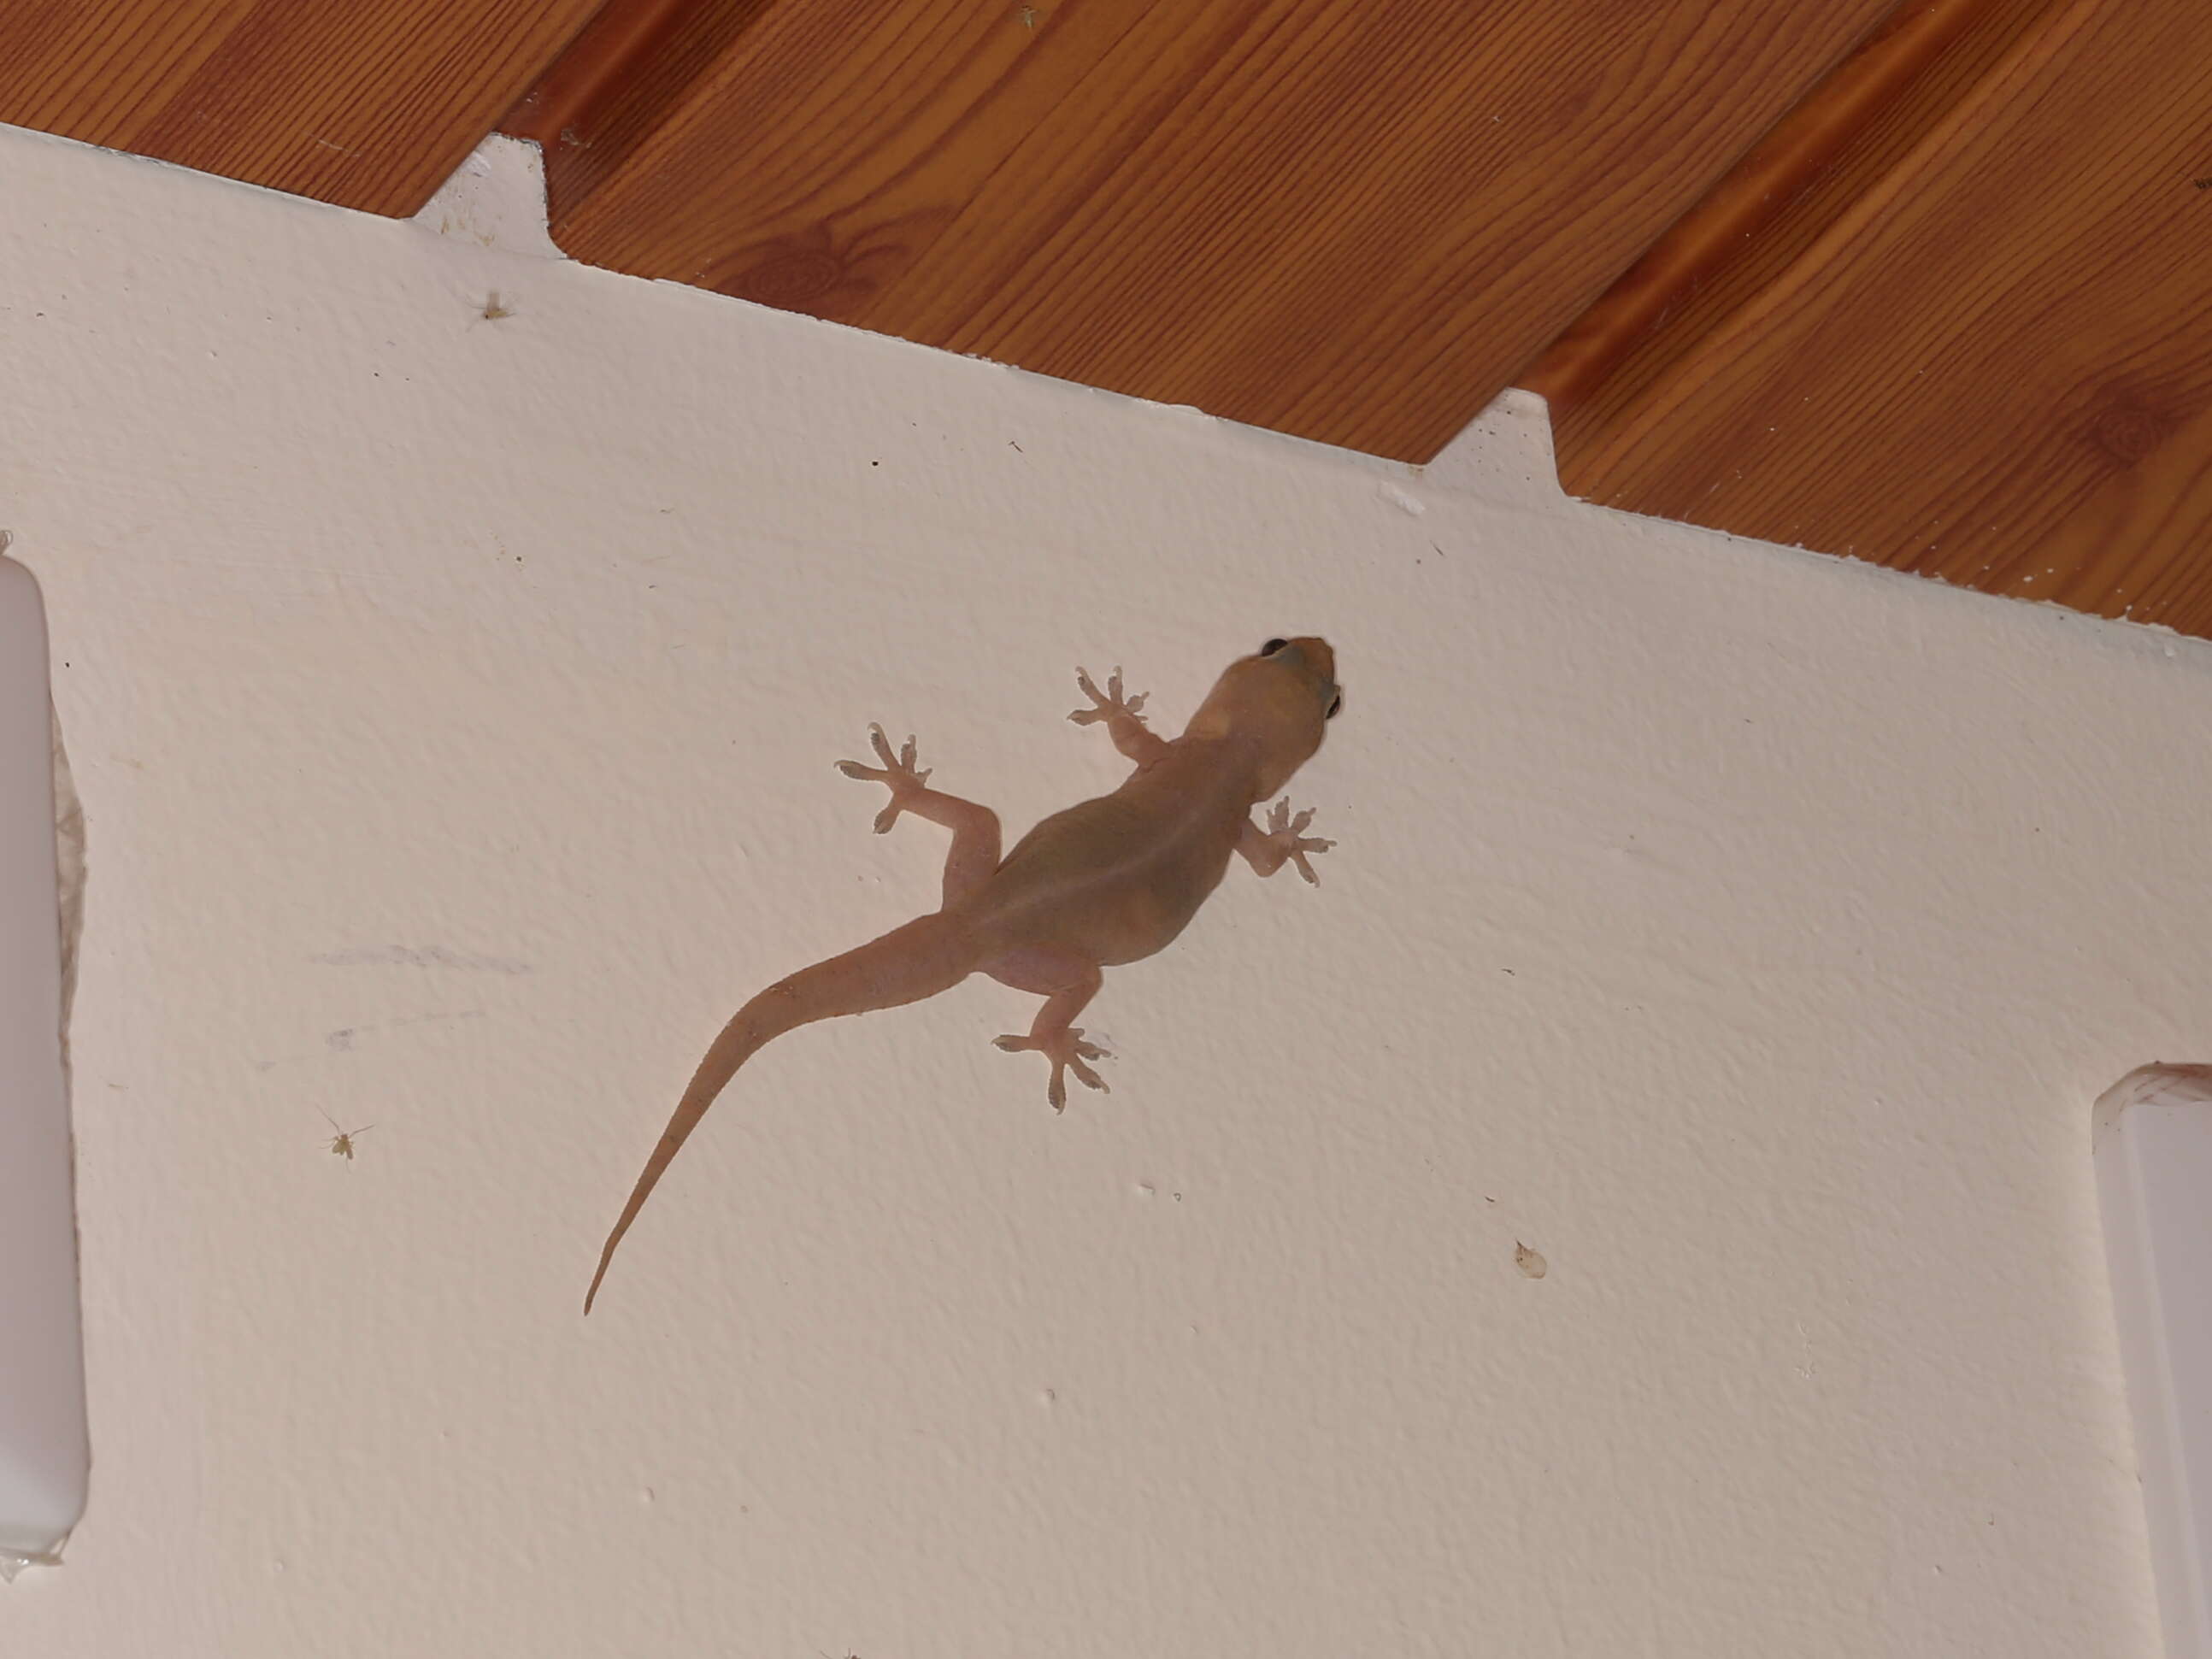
(1347,221)
(370,104)
(1985,352)
(633,69)
(1801,177)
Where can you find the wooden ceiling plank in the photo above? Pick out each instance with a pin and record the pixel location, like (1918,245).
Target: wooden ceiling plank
(615,46)
(1418,193)
(2139,545)
(1817,160)
(99,73)
(751,212)
(1999,352)
(618,83)
(1349,223)
(371,106)
(1817,165)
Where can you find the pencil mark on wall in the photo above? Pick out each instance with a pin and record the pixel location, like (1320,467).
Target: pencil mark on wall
(417,955)
(341,1039)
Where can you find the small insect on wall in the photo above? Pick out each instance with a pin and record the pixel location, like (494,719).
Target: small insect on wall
(44,1456)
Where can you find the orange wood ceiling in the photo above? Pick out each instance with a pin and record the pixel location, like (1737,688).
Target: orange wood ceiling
(1964,329)
(1348,221)
(367,105)
(1927,282)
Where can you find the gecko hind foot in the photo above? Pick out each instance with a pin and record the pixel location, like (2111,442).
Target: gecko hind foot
(1067,1052)
(897,773)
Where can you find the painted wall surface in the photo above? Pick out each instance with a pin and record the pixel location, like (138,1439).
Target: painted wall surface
(453,700)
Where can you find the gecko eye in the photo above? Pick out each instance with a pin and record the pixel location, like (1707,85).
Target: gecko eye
(1273,646)
(1335,706)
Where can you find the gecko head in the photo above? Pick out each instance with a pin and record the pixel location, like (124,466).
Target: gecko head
(1279,699)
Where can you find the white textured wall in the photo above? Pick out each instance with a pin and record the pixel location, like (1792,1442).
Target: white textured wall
(453,701)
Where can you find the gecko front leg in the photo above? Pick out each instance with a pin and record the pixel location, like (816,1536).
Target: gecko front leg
(1283,841)
(1124,723)
(975,851)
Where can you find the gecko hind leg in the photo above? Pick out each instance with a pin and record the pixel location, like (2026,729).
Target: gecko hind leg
(976,836)
(1052,1033)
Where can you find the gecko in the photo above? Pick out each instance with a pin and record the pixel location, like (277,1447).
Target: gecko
(1106,882)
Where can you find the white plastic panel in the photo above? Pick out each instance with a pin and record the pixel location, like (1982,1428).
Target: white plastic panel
(2153,1144)
(44,1456)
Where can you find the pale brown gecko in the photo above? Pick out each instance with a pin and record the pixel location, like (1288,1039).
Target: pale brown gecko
(1108,882)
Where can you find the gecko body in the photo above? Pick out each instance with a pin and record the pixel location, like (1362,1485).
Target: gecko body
(1105,883)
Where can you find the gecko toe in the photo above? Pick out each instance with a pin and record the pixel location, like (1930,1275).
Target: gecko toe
(1067,1052)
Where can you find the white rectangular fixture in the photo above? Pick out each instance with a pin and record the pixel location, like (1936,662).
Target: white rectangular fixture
(44,1456)
(2151,1138)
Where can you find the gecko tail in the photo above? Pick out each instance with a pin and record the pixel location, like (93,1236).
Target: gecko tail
(928,955)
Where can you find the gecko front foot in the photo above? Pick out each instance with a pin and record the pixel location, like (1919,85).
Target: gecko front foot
(1286,841)
(896,773)
(1106,704)
(1067,1052)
